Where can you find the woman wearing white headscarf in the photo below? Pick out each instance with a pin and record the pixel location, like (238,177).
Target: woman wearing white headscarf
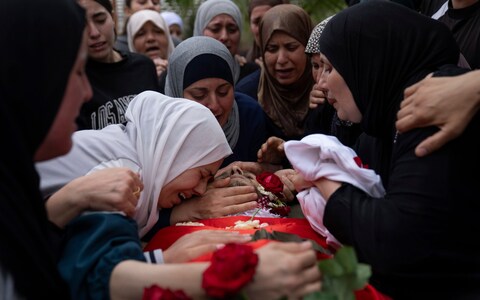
(175,24)
(222,20)
(149,34)
(163,137)
(176,145)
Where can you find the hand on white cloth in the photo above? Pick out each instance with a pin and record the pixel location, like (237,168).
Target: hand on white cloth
(317,156)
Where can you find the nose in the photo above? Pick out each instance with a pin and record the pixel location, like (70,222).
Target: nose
(213,104)
(282,56)
(92,30)
(322,80)
(201,188)
(150,37)
(236,170)
(223,35)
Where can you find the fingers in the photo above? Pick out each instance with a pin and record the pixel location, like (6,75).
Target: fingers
(239,208)
(432,143)
(308,288)
(405,123)
(220,183)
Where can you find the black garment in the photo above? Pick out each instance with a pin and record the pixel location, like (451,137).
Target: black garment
(421,237)
(114,86)
(464,23)
(247,69)
(323,119)
(26,114)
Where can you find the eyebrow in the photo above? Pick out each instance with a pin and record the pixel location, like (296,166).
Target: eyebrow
(98,14)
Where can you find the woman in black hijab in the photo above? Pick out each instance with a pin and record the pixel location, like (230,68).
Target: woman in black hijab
(40,43)
(421,238)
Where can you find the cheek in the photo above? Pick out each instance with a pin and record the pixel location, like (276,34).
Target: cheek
(138,44)
(162,40)
(270,61)
(207,32)
(227,102)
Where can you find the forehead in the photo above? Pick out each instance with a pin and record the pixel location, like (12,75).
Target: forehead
(282,37)
(259,11)
(208,83)
(150,25)
(222,18)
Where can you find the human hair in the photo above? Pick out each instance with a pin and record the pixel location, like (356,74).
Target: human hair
(107,4)
(272,3)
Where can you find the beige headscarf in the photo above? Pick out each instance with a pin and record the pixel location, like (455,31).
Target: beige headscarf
(286,105)
(136,21)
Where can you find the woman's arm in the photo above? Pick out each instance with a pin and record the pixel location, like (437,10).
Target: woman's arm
(297,275)
(446,102)
(112,189)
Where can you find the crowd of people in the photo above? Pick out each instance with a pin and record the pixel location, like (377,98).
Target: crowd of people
(366,121)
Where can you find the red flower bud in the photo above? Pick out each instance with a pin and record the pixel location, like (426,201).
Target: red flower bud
(270,182)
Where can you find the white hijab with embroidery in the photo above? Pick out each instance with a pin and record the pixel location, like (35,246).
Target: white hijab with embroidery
(163,138)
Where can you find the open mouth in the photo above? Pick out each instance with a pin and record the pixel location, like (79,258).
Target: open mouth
(153,48)
(182,196)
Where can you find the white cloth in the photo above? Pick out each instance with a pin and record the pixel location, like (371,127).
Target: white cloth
(136,21)
(172,18)
(163,138)
(320,155)
(441,11)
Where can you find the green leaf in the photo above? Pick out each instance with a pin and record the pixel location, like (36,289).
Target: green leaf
(331,268)
(321,296)
(361,277)
(346,257)
(342,275)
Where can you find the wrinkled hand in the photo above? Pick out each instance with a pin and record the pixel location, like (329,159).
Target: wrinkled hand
(285,270)
(288,186)
(248,166)
(161,65)
(197,243)
(271,151)
(218,201)
(440,101)
(316,97)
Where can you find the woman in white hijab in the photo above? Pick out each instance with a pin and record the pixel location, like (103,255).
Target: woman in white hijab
(176,146)
(149,34)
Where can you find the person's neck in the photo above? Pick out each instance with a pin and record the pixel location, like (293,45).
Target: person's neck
(459,4)
(116,57)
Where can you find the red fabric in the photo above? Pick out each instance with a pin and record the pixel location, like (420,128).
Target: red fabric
(168,235)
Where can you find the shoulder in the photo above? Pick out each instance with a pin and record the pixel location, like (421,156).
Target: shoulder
(246,102)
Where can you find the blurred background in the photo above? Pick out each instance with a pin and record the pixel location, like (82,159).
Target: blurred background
(317,9)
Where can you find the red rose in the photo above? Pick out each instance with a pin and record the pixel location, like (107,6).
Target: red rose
(231,268)
(281,210)
(157,293)
(270,182)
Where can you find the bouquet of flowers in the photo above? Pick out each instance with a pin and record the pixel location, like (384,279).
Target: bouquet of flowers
(272,198)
